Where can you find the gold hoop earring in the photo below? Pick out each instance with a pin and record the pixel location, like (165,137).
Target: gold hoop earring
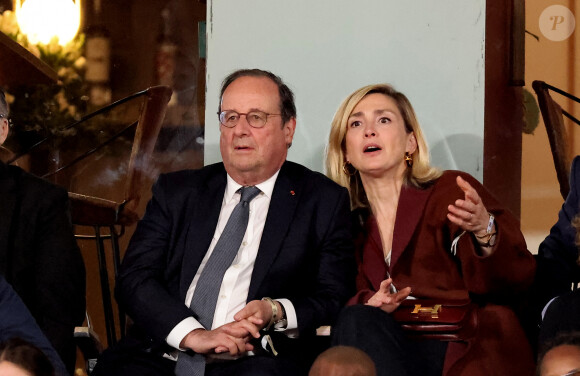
(348,171)
(408,159)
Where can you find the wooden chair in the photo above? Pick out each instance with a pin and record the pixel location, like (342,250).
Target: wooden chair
(553,114)
(137,122)
(111,216)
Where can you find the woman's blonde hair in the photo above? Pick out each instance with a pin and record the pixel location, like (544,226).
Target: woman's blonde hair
(419,175)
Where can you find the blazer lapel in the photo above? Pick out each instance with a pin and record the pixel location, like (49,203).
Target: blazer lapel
(374,265)
(285,198)
(409,212)
(205,209)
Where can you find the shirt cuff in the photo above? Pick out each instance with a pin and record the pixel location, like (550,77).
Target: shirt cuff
(180,330)
(291,329)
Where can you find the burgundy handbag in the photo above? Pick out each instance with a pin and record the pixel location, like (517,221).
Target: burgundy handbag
(444,320)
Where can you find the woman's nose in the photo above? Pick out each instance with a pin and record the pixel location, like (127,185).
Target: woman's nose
(370,131)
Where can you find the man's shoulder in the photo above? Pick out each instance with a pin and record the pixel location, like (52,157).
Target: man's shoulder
(185,180)
(298,172)
(30,184)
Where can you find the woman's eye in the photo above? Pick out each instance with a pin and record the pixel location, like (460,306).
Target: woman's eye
(384,120)
(354,124)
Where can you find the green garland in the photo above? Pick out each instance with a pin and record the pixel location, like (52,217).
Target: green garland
(41,111)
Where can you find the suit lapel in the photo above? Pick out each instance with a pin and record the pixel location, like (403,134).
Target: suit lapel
(204,209)
(409,212)
(285,197)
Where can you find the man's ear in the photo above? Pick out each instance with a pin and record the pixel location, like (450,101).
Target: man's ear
(289,129)
(3,130)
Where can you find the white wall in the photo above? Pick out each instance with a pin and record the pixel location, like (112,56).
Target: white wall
(432,51)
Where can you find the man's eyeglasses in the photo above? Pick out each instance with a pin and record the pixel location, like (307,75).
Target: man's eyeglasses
(256,119)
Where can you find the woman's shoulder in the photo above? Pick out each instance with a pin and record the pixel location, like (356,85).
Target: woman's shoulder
(449,177)
(446,185)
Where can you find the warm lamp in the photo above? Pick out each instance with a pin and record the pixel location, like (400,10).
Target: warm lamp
(42,20)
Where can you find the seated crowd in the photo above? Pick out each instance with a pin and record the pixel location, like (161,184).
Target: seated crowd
(234,266)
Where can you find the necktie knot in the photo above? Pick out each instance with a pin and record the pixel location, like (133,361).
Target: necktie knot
(248,193)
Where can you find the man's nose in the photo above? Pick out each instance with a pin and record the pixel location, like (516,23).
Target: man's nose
(243,127)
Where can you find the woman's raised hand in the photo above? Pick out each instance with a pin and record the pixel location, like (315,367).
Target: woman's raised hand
(470,214)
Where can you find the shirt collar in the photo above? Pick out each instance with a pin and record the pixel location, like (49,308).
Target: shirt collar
(267,186)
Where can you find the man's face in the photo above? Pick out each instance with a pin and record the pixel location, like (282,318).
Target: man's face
(252,155)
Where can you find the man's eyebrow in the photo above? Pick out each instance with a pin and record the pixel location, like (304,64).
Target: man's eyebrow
(253,109)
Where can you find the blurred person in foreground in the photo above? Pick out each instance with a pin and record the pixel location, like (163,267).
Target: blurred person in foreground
(560,356)
(343,361)
(21,341)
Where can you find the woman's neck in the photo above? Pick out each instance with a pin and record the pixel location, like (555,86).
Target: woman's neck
(383,195)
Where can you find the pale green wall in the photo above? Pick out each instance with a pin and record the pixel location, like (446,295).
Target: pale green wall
(433,51)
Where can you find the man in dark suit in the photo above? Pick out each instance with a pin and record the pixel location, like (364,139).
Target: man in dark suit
(39,256)
(558,262)
(292,273)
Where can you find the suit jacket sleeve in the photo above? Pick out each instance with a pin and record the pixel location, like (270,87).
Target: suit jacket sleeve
(148,278)
(335,268)
(510,268)
(60,276)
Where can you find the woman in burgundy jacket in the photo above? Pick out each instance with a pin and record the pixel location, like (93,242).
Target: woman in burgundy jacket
(423,233)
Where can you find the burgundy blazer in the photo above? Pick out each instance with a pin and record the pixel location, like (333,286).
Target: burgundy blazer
(422,259)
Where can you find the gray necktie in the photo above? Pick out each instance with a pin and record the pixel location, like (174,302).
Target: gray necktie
(208,286)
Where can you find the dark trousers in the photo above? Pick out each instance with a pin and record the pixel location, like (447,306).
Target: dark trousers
(375,332)
(129,358)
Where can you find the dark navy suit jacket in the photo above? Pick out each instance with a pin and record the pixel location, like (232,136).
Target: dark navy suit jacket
(558,253)
(305,254)
(39,256)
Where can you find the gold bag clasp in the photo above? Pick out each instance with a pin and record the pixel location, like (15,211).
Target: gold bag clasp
(433,311)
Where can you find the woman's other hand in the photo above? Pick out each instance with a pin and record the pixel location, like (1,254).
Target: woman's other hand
(386,299)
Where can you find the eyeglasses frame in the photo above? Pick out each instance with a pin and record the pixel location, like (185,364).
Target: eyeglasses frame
(245,114)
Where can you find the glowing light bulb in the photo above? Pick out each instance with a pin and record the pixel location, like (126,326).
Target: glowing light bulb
(42,20)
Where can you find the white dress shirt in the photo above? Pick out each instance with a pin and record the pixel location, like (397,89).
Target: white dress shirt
(236,282)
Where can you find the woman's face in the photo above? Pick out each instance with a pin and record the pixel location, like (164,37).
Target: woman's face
(376,139)
(11,369)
